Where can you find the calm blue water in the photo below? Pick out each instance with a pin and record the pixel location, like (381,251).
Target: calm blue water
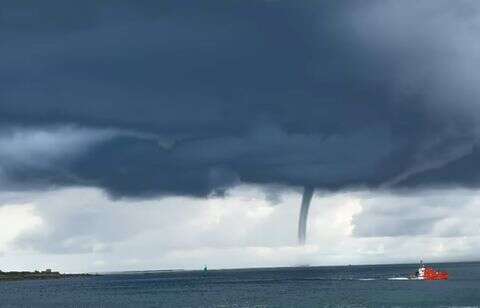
(279,287)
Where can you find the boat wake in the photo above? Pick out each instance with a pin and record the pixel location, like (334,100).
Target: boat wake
(389,278)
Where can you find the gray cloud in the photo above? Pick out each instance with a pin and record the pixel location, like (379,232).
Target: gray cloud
(447,213)
(29,155)
(329,95)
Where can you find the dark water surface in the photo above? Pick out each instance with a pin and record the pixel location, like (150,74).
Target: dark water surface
(351,286)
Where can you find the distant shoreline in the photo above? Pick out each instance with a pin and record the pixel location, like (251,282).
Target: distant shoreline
(272,268)
(37,275)
(25,275)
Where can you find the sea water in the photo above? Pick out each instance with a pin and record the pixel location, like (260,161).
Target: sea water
(342,286)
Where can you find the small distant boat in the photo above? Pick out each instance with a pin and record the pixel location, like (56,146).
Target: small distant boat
(428,273)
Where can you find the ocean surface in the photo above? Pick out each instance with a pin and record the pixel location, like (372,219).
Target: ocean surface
(346,286)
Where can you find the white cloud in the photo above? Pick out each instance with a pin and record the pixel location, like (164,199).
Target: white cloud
(80,229)
(14,221)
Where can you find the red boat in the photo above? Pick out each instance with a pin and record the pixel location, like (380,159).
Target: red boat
(429,273)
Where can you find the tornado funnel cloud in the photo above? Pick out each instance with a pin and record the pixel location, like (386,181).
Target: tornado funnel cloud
(302,222)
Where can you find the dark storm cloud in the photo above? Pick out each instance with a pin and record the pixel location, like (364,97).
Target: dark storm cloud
(328,95)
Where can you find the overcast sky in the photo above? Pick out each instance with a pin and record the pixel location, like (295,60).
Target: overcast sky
(176,134)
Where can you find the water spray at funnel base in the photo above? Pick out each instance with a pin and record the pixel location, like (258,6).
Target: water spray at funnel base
(302,222)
